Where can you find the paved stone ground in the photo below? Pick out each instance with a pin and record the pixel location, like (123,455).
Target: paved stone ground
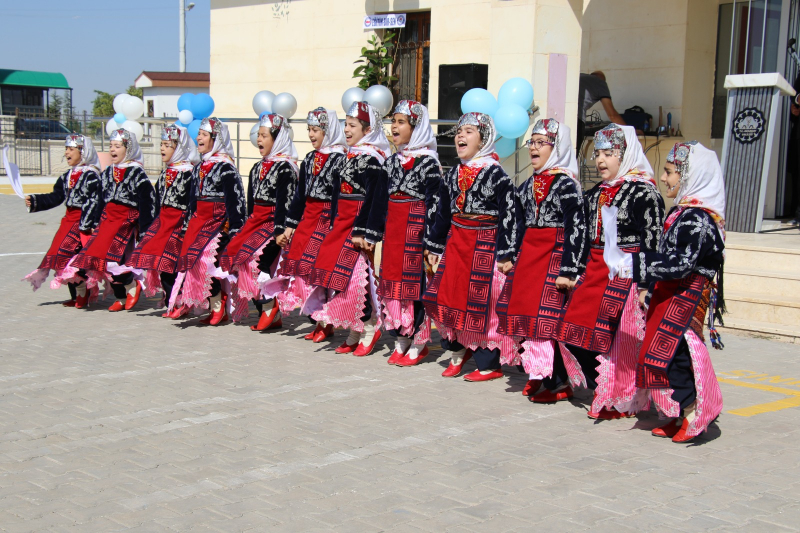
(126,421)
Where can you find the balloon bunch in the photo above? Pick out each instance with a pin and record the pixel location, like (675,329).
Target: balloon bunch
(127,109)
(192,109)
(267,102)
(378,96)
(509,111)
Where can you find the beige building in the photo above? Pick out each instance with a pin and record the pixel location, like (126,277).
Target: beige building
(671,55)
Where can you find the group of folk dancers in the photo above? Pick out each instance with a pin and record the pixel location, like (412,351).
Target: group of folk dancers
(595,289)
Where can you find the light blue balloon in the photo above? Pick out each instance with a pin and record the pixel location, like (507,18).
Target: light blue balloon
(517,91)
(119,118)
(262,114)
(185,101)
(511,121)
(505,146)
(194,129)
(479,101)
(202,106)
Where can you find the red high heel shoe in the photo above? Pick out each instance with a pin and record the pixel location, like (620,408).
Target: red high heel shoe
(116,306)
(476,375)
(267,320)
(668,430)
(681,435)
(82,302)
(531,387)
(362,350)
(406,361)
(548,396)
(310,336)
(217,317)
(323,334)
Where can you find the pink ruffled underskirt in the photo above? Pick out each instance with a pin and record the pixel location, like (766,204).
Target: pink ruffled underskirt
(399,316)
(193,287)
(345,308)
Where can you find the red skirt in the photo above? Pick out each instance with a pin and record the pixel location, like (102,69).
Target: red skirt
(402,263)
(672,307)
(307,239)
(256,232)
(595,306)
(66,243)
(460,294)
(337,257)
(533,307)
(160,247)
(110,240)
(204,225)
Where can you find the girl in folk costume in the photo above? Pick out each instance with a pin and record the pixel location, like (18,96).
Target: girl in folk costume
(159,249)
(130,207)
(341,267)
(253,251)
(602,326)
(308,220)
(674,364)
(477,221)
(552,251)
(81,189)
(401,215)
(217,210)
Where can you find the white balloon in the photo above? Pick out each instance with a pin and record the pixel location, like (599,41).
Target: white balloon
(351,96)
(254,135)
(262,102)
(121,97)
(285,105)
(135,128)
(185,116)
(132,108)
(380,97)
(111,125)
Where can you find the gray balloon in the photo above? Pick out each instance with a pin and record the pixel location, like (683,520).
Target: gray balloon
(351,96)
(262,102)
(285,105)
(254,135)
(380,97)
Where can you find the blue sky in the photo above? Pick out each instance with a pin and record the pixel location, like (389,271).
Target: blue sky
(101,44)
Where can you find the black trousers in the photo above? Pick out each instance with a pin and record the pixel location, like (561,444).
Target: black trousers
(73,287)
(268,257)
(586,358)
(485,358)
(167,283)
(118,283)
(216,285)
(681,376)
(419,318)
(560,376)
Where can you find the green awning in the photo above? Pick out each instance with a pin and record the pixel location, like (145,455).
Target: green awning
(31,78)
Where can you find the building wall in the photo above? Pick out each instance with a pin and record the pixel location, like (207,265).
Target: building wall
(655,53)
(308,47)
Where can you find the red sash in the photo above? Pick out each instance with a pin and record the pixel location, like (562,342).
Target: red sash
(160,247)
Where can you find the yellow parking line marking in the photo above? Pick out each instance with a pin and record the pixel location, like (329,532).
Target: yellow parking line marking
(769,407)
(27,189)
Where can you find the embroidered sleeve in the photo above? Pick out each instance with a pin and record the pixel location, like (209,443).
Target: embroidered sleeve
(371,175)
(43,202)
(522,201)
(145,201)
(92,209)
(648,213)
(252,183)
(378,203)
(284,192)
(433,184)
(692,238)
(235,199)
(573,259)
(440,224)
(507,220)
(298,203)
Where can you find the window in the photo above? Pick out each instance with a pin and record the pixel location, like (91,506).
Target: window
(150,109)
(747,43)
(412,65)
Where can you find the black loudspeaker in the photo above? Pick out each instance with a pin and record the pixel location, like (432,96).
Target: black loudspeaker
(454,81)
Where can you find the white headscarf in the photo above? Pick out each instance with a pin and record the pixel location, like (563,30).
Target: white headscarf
(423,141)
(133,152)
(283,148)
(222,149)
(185,155)
(634,165)
(375,142)
(487,155)
(89,158)
(334,140)
(562,158)
(701,182)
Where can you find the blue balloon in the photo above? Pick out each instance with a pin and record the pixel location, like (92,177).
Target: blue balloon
(202,106)
(517,91)
(511,121)
(194,129)
(505,147)
(479,101)
(185,101)
(262,115)
(119,118)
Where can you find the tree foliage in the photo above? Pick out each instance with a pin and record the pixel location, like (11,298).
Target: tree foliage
(376,61)
(103,103)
